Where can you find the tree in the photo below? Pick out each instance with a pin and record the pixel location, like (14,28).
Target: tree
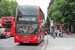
(13,5)
(63,11)
(8,8)
(48,22)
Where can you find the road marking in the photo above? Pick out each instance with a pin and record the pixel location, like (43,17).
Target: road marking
(43,48)
(3,40)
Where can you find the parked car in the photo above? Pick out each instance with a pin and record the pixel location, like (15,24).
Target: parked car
(4,32)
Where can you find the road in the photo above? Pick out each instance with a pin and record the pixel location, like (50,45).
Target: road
(8,44)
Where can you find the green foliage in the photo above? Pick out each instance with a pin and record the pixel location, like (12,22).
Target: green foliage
(13,6)
(48,22)
(63,11)
(8,8)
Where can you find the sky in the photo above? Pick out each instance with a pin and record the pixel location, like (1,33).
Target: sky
(42,3)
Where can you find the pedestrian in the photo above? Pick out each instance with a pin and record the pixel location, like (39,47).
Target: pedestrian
(55,32)
(67,31)
(59,32)
(52,30)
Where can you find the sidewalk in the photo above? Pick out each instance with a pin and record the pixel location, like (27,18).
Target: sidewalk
(67,42)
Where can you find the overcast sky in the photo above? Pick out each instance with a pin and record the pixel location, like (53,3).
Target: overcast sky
(42,3)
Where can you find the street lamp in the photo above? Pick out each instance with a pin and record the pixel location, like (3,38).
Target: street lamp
(0,10)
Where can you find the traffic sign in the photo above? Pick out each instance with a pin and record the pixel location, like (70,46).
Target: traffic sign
(51,22)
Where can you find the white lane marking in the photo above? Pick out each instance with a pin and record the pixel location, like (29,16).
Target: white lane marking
(3,40)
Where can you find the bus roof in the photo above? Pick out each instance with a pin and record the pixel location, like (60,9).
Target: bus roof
(30,5)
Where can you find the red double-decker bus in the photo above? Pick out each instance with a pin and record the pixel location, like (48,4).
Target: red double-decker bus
(29,26)
(8,22)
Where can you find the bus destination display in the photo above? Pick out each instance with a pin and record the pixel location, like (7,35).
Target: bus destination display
(27,19)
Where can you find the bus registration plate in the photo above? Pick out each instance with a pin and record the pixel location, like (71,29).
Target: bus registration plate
(25,42)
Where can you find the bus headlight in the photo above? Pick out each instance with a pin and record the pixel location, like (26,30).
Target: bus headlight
(17,37)
(35,37)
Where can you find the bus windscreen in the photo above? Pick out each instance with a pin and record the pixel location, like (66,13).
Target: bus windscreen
(26,29)
(7,26)
(27,10)
(6,21)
